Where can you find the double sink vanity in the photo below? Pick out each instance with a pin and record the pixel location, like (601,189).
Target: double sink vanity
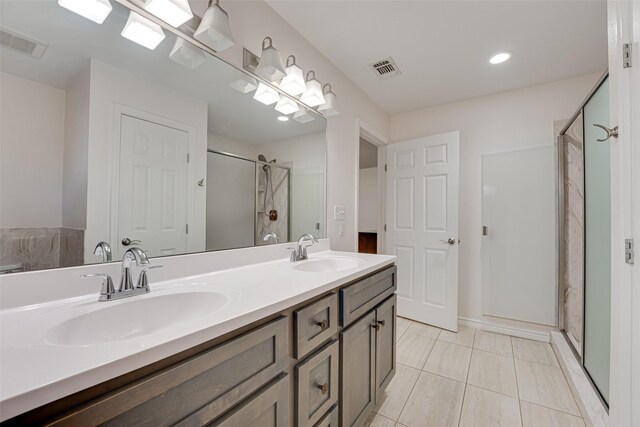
(266,342)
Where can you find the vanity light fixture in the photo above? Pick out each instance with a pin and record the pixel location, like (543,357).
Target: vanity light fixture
(500,58)
(303,116)
(266,94)
(330,102)
(140,30)
(313,95)
(283,118)
(244,84)
(94,10)
(287,106)
(293,83)
(173,12)
(186,54)
(214,29)
(270,66)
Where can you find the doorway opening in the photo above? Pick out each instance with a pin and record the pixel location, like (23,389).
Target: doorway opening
(368,197)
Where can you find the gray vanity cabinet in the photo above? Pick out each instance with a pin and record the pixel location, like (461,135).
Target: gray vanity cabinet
(268,408)
(357,364)
(385,345)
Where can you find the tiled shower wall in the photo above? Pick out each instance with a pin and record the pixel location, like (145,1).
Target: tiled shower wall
(40,248)
(574,234)
(280,180)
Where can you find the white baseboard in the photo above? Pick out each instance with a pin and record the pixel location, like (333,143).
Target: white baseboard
(530,334)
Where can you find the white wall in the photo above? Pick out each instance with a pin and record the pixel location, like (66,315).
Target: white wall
(76,144)
(232,146)
(505,121)
(368,201)
(31,153)
(251,21)
(111,87)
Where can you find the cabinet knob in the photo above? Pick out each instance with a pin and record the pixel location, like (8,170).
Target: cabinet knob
(324,325)
(324,388)
(381,322)
(376,326)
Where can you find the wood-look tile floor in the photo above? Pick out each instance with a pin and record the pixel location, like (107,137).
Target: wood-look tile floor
(474,378)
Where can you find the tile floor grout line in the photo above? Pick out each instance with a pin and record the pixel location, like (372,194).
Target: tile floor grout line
(515,372)
(408,397)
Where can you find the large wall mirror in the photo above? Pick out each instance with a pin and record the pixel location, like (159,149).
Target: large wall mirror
(104,140)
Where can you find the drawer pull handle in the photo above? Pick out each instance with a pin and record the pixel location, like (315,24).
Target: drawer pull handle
(324,325)
(324,388)
(378,325)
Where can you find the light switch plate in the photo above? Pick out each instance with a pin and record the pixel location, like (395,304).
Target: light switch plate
(338,213)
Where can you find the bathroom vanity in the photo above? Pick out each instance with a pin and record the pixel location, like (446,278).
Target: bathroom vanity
(308,343)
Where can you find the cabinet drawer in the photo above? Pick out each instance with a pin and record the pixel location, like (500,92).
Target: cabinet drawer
(317,385)
(362,296)
(269,408)
(329,420)
(385,345)
(196,390)
(314,324)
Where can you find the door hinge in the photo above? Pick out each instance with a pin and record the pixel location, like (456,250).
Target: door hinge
(626,55)
(188,157)
(628,251)
(385,227)
(187,228)
(385,167)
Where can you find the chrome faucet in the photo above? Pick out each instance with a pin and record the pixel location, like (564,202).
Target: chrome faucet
(126,289)
(300,253)
(268,236)
(103,249)
(132,254)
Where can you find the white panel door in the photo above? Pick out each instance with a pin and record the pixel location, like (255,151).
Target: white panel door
(422,227)
(519,251)
(152,188)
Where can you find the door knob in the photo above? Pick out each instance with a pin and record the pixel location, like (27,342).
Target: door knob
(449,241)
(127,241)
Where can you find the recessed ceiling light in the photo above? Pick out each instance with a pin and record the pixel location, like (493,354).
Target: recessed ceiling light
(283,118)
(500,58)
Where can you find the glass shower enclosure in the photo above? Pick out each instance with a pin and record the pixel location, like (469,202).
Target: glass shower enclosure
(585,237)
(246,199)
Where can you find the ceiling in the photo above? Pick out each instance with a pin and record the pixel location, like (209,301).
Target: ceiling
(443,47)
(72,41)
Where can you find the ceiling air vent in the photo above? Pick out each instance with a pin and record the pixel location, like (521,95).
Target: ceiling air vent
(21,43)
(385,68)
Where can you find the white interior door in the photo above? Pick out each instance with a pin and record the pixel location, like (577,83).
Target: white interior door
(422,228)
(152,188)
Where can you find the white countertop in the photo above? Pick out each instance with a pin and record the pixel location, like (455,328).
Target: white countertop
(36,369)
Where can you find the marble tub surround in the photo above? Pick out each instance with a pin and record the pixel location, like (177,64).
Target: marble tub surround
(573,283)
(506,382)
(254,283)
(41,248)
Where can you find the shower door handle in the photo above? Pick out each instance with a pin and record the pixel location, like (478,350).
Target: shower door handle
(610,132)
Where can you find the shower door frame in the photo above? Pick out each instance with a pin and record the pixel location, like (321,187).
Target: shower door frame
(561,234)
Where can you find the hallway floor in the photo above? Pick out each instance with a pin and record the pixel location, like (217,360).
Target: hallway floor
(474,378)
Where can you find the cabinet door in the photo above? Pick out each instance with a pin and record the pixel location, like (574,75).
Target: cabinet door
(269,408)
(317,385)
(385,345)
(357,361)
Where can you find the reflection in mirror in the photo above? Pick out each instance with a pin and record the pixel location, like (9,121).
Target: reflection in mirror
(105,140)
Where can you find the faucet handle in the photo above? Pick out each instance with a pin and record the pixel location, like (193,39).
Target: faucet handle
(294,254)
(143,280)
(107,284)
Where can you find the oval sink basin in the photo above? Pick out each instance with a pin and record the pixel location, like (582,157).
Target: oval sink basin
(320,265)
(134,318)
